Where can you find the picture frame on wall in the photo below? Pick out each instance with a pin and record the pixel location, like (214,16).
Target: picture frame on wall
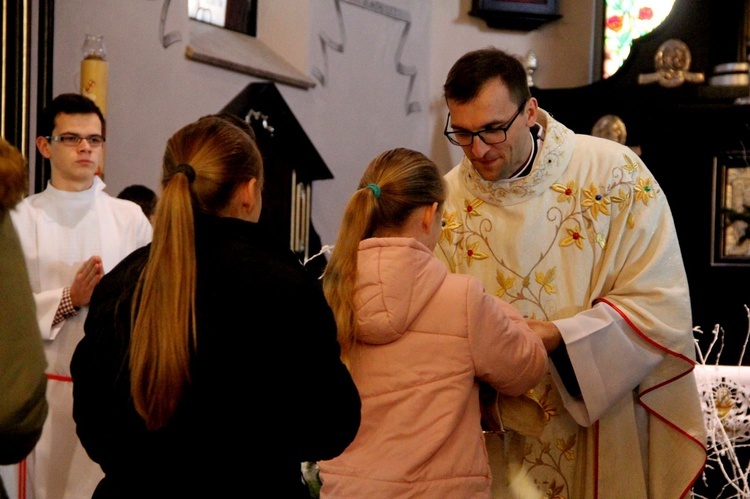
(235,15)
(730,220)
(524,15)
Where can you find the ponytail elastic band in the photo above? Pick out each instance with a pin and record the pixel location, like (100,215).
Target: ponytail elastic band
(375,189)
(187,170)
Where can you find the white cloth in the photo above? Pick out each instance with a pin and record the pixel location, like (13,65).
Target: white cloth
(587,240)
(60,230)
(609,355)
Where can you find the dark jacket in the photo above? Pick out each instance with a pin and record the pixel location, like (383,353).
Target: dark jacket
(268,389)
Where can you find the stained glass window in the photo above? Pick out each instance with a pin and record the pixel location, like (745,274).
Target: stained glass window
(626,20)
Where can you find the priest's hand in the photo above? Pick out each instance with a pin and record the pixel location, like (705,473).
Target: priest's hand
(87,277)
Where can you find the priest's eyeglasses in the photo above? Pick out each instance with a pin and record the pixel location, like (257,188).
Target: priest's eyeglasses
(72,139)
(490,136)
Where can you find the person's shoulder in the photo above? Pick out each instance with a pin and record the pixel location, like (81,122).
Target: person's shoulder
(453,173)
(462,286)
(128,269)
(468,289)
(136,258)
(601,144)
(601,155)
(288,270)
(26,210)
(453,180)
(285,260)
(29,201)
(250,243)
(124,207)
(468,282)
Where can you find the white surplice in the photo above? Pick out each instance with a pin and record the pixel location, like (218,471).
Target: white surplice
(587,240)
(59,230)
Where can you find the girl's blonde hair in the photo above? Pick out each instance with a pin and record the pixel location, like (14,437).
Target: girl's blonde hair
(395,183)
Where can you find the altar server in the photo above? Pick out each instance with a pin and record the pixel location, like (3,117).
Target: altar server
(71,233)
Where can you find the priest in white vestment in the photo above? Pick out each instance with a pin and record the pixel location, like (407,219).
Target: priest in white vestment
(576,233)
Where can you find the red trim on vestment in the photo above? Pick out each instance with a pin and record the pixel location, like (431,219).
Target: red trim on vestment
(22,479)
(692,363)
(646,338)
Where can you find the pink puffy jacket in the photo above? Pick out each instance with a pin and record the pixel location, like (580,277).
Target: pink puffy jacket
(428,337)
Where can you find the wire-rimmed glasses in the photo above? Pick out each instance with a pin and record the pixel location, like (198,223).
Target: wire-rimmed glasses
(72,139)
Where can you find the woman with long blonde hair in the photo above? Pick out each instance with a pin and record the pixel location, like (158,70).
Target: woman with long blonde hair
(187,384)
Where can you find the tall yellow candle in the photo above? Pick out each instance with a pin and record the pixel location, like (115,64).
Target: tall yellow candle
(94,77)
(94,81)
(94,71)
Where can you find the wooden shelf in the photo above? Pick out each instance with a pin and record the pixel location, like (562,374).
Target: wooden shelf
(242,53)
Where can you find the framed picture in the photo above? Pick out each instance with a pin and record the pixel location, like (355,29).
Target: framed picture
(236,15)
(523,15)
(730,231)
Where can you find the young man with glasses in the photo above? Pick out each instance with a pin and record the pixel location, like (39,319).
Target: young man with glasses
(71,234)
(575,232)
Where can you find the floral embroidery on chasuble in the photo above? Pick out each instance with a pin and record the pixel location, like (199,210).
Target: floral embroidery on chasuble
(541,243)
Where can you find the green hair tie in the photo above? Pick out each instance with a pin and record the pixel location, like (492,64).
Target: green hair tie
(375,189)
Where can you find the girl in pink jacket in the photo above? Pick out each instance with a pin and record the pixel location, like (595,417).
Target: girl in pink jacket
(418,341)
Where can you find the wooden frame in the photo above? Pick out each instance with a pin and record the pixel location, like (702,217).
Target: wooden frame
(730,221)
(14,98)
(45,51)
(522,15)
(17,123)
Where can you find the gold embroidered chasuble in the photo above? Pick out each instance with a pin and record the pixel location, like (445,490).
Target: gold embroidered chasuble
(588,224)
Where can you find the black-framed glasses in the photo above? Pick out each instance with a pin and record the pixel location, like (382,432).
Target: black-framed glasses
(72,139)
(490,136)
